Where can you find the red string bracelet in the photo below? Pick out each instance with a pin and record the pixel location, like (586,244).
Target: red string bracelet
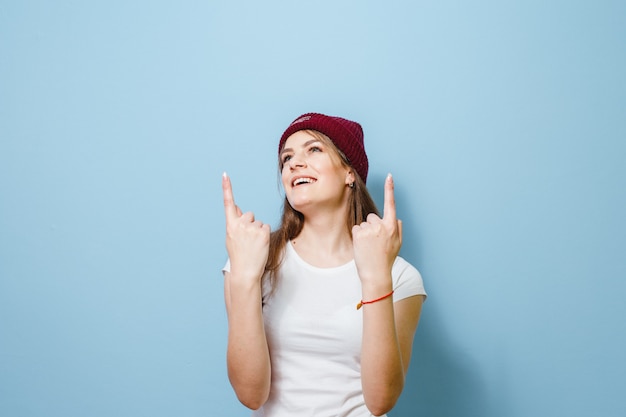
(362,303)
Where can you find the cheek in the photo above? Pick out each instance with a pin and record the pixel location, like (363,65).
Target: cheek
(284,178)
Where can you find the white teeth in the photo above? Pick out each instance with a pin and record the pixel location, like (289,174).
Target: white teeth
(299,181)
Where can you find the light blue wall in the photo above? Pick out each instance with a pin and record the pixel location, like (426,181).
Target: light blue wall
(504,124)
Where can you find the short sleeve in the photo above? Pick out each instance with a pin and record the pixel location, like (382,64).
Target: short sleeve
(226,267)
(407,280)
(266,285)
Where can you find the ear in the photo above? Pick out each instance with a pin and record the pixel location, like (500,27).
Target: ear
(350,177)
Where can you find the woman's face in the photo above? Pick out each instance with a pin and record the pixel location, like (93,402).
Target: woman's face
(313,174)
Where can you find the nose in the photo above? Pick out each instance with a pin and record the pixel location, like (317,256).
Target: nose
(296,161)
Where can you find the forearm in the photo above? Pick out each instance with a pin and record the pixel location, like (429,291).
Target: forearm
(247,353)
(382,370)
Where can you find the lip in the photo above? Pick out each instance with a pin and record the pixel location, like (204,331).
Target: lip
(299,177)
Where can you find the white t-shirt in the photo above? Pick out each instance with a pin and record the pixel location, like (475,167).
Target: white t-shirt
(314,334)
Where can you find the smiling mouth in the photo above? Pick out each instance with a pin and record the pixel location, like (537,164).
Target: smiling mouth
(301,181)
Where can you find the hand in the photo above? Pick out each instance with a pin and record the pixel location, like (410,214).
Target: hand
(247,239)
(377,241)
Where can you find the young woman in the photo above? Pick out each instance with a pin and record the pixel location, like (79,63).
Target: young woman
(300,343)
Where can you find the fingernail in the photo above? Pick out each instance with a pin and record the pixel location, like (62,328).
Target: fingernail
(224,174)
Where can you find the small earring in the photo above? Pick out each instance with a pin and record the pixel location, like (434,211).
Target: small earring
(351,185)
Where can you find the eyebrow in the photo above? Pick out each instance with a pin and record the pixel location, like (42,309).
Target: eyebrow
(304,145)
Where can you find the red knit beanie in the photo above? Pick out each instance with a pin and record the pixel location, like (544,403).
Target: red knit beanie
(345,134)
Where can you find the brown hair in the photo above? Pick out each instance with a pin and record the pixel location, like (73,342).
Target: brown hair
(360,204)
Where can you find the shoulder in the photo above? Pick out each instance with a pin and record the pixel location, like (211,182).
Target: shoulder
(226,267)
(401,265)
(407,280)
(402,270)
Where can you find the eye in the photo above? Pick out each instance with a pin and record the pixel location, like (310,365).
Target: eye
(286,159)
(315,149)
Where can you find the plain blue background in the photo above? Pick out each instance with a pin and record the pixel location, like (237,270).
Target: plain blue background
(503,123)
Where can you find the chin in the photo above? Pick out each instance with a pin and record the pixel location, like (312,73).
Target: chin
(299,205)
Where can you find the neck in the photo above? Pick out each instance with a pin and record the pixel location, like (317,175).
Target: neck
(325,240)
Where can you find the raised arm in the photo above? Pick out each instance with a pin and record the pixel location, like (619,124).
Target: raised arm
(388,328)
(247,243)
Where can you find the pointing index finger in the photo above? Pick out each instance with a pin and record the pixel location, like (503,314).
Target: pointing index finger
(389,207)
(229,201)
